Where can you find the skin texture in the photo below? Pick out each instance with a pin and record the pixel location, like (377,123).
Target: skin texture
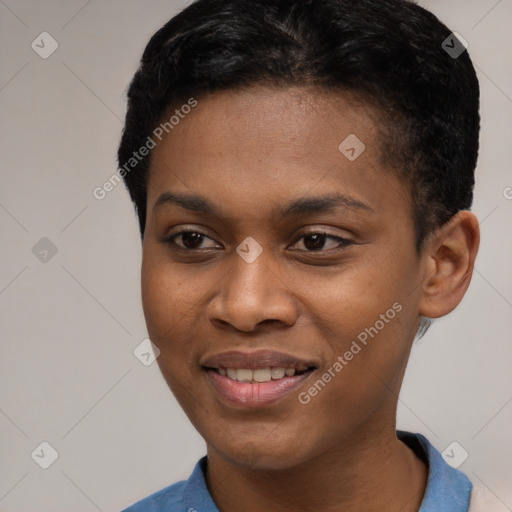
(249,152)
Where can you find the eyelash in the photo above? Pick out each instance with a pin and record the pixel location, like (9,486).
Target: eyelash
(344,242)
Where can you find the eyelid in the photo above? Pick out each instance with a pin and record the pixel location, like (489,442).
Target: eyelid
(322,231)
(343,242)
(186,229)
(169,238)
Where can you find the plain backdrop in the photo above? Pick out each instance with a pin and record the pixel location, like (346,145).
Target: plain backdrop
(71,319)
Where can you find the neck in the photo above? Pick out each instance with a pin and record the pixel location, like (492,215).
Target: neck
(369,469)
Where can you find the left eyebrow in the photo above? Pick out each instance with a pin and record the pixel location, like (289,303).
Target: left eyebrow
(302,206)
(322,204)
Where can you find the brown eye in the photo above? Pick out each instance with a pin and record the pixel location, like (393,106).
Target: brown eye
(189,240)
(316,241)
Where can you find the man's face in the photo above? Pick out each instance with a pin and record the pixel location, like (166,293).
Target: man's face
(256,285)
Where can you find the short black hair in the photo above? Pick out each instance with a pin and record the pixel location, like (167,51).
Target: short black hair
(388,53)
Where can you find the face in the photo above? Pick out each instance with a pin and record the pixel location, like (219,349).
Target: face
(279,276)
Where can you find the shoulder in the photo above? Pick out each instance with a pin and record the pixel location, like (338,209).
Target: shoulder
(483,500)
(169,499)
(184,496)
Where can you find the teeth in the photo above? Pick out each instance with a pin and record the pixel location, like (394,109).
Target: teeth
(244,375)
(277,373)
(259,375)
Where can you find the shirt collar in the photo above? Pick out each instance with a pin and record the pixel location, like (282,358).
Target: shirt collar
(196,495)
(448,489)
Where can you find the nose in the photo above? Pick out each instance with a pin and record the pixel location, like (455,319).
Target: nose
(253,294)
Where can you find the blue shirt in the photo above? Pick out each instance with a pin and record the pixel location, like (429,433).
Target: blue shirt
(448,489)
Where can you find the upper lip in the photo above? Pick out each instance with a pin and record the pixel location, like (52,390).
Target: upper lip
(256,359)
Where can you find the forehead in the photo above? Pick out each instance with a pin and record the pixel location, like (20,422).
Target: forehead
(263,146)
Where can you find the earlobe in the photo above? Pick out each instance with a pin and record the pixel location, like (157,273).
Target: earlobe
(449,262)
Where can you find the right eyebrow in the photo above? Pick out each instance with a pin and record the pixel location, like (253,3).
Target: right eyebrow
(297,207)
(192,203)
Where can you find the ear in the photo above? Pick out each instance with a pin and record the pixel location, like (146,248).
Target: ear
(449,257)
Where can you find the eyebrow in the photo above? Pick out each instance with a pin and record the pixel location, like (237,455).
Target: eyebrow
(301,206)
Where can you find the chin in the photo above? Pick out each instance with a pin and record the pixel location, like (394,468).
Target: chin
(262,460)
(268,452)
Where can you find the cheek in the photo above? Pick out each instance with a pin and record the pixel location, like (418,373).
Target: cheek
(167,299)
(169,307)
(173,299)
(355,299)
(156,297)
(368,318)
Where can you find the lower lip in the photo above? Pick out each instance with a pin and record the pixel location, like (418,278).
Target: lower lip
(253,395)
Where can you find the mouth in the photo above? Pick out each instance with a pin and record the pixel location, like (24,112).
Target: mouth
(255,379)
(259,375)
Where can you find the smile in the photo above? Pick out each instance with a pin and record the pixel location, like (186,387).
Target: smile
(257,379)
(259,375)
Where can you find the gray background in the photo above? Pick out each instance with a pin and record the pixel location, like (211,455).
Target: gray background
(69,324)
